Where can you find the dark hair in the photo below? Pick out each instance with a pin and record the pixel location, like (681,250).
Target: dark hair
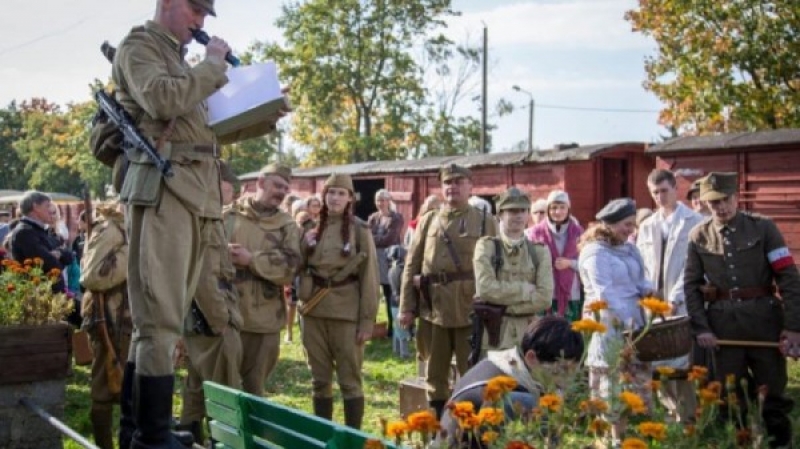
(659,175)
(30,199)
(551,338)
(347,220)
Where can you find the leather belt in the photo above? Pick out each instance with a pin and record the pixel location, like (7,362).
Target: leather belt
(446,278)
(204,148)
(327,283)
(519,315)
(739,294)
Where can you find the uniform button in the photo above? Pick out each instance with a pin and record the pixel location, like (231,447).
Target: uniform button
(731,266)
(730,255)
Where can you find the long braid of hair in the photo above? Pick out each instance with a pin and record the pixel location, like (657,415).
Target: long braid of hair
(323,223)
(347,221)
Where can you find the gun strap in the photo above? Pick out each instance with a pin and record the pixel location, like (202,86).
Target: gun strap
(483,222)
(497,260)
(448,243)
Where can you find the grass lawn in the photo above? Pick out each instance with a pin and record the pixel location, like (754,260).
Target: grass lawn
(290,384)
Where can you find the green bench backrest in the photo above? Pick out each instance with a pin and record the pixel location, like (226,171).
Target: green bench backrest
(243,421)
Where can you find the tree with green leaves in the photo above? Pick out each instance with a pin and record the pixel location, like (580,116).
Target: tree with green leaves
(723,66)
(12,168)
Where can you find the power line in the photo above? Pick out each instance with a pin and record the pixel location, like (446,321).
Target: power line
(582,108)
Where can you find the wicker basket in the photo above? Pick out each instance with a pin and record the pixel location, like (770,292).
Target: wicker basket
(666,339)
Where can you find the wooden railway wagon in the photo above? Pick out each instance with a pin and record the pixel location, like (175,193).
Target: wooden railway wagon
(767,162)
(592,174)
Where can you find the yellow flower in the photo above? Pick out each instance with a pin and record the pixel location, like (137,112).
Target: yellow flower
(655,385)
(551,402)
(469,422)
(462,409)
(491,415)
(654,430)
(665,370)
(633,402)
(54,273)
(598,305)
(708,396)
(396,429)
(588,326)
(497,387)
(594,406)
(633,443)
(698,373)
(38,261)
(655,306)
(489,436)
(599,426)
(423,421)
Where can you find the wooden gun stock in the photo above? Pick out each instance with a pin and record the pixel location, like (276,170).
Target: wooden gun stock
(111,361)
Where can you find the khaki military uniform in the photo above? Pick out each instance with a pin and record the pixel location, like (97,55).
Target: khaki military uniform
(329,330)
(509,286)
(213,345)
(739,258)
(273,239)
(103,272)
(170,218)
(445,325)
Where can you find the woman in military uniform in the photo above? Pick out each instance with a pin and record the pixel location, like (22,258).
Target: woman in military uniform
(512,272)
(338,300)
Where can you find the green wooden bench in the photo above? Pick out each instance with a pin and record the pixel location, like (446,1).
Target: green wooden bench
(243,421)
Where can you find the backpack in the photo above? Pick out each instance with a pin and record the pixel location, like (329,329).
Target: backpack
(105,139)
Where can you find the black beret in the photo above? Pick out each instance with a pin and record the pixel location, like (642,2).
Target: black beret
(617,210)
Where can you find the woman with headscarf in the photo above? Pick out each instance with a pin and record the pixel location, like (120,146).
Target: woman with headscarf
(560,231)
(386,226)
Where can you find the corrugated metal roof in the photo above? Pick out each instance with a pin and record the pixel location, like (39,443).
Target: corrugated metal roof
(778,137)
(474,160)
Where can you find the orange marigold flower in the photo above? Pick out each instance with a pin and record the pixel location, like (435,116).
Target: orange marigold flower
(374,444)
(10,287)
(655,385)
(396,429)
(654,430)
(594,406)
(588,326)
(517,444)
(462,409)
(422,421)
(497,387)
(599,426)
(10,263)
(550,402)
(743,437)
(633,443)
(491,415)
(27,262)
(470,422)
(665,370)
(36,280)
(655,306)
(698,373)
(633,402)
(689,430)
(597,306)
(38,261)
(54,273)
(489,436)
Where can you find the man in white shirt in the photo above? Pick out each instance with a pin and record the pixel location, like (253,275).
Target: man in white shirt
(663,241)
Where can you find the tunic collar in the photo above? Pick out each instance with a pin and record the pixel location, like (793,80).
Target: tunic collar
(165,35)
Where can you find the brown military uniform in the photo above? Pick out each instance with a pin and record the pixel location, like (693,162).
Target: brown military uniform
(742,260)
(273,239)
(445,325)
(103,272)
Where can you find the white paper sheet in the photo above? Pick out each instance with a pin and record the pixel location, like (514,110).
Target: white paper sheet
(249,87)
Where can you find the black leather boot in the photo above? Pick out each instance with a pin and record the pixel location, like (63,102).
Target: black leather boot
(127,425)
(101,416)
(323,407)
(153,412)
(438,406)
(354,412)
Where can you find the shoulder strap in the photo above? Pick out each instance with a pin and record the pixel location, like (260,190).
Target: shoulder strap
(497,259)
(230,225)
(532,253)
(483,222)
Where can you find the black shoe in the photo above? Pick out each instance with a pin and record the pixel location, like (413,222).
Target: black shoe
(354,412)
(323,407)
(153,413)
(127,426)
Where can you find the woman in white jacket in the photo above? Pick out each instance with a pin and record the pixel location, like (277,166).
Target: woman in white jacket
(663,241)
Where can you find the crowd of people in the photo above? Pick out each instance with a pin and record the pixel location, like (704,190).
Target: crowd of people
(180,264)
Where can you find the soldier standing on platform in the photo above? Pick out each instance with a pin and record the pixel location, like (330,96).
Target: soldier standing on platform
(338,296)
(213,346)
(170,219)
(735,260)
(438,281)
(104,273)
(513,273)
(265,249)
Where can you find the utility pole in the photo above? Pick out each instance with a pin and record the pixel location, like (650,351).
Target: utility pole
(484,96)
(531,109)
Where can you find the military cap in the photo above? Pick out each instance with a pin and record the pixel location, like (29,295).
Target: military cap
(513,198)
(617,210)
(278,169)
(340,180)
(207,5)
(694,188)
(453,171)
(718,185)
(227,173)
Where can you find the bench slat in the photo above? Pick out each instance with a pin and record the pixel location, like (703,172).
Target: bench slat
(228,436)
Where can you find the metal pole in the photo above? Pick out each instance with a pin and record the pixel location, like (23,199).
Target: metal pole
(63,428)
(484,99)
(530,126)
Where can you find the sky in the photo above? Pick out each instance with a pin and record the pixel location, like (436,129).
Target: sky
(571,55)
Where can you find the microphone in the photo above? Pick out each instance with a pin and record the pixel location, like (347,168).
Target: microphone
(202,37)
